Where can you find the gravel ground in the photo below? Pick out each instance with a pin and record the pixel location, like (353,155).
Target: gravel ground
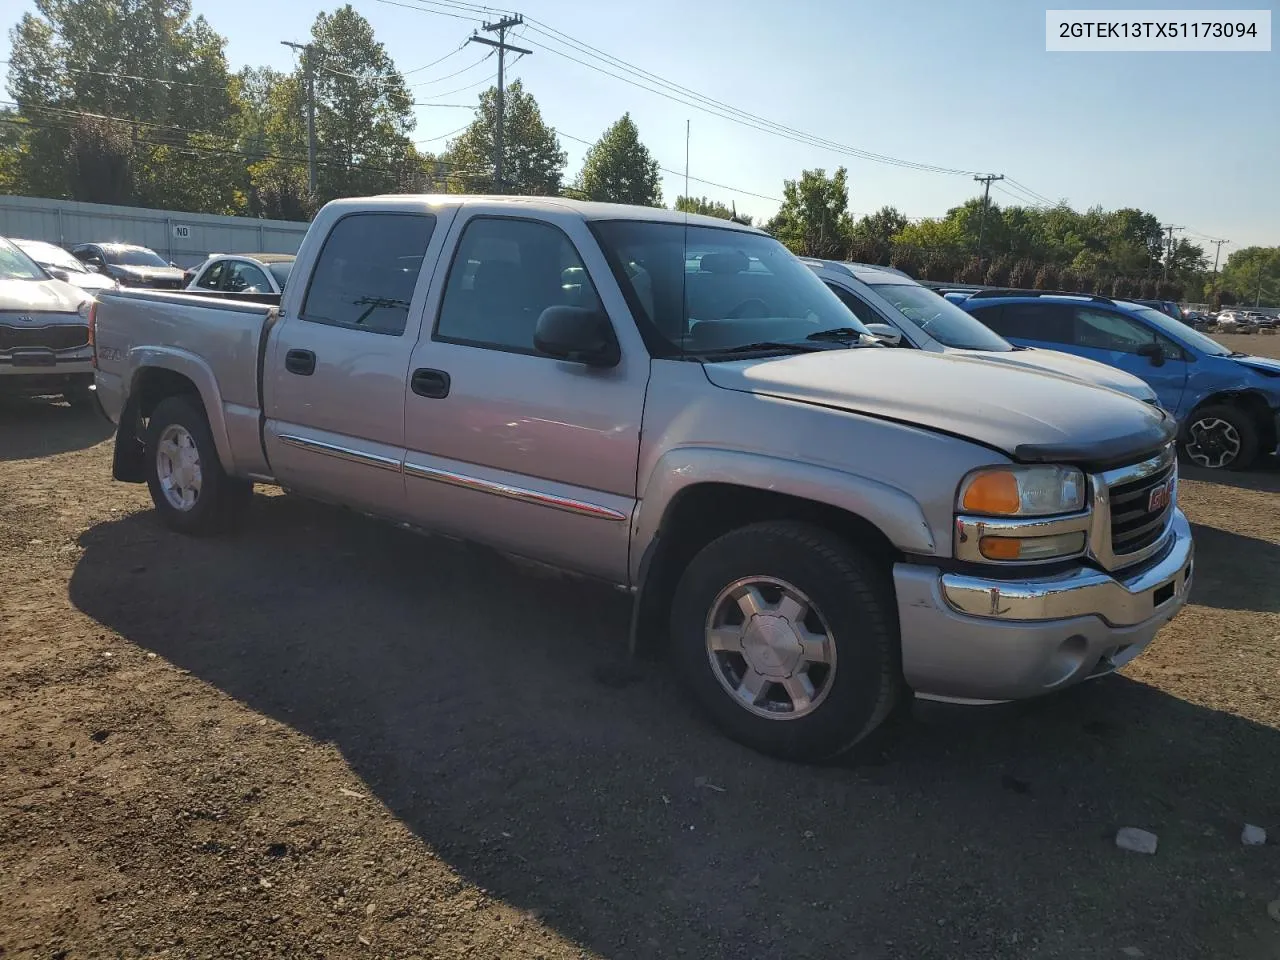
(328,738)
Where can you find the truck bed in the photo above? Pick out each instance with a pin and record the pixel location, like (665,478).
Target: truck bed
(188,336)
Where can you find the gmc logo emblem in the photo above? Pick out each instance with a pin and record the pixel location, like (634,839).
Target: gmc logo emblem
(1161,496)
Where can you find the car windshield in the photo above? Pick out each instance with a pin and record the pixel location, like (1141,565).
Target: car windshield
(133,257)
(940,318)
(50,256)
(1181,332)
(281,271)
(16,265)
(705,290)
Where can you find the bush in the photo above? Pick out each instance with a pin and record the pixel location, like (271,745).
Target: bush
(1122,287)
(939,268)
(906,260)
(971,272)
(998,271)
(1047,277)
(1022,274)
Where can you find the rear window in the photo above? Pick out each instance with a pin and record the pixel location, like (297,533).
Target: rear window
(366,272)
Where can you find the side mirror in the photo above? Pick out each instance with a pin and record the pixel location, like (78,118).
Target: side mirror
(886,334)
(1154,352)
(92,268)
(577,334)
(58,273)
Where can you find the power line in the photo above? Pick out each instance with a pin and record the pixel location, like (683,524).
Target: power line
(450,76)
(427,66)
(1039,196)
(479,83)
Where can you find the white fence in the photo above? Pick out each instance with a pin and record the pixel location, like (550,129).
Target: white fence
(183,238)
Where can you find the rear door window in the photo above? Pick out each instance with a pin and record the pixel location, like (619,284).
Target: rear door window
(367,270)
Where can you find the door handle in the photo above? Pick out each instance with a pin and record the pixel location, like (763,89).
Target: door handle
(301,362)
(433,384)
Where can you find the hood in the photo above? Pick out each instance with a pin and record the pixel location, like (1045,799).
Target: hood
(1030,416)
(148,273)
(1263,364)
(44,296)
(1078,368)
(90,281)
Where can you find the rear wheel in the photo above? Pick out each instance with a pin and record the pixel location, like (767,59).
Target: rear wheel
(785,635)
(191,491)
(1221,437)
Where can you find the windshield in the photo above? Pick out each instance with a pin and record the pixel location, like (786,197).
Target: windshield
(49,255)
(133,257)
(705,290)
(16,265)
(940,318)
(281,272)
(1181,332)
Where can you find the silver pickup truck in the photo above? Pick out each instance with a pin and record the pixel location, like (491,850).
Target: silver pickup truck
(812,524)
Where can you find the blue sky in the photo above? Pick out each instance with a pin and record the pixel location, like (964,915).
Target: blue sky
(1192,137)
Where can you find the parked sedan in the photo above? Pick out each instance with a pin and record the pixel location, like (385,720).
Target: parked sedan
(903,313)
(129,265)
(63,266)
(242,273)
(44,331)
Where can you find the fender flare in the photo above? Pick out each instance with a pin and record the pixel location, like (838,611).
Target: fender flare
(195,369)
(896,514)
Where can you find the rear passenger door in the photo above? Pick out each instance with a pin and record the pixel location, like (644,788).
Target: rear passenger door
(508,446)
(1046,325)
(334,379)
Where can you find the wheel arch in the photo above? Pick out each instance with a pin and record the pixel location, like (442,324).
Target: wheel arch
(1252,402)
(703,494)
(157,375)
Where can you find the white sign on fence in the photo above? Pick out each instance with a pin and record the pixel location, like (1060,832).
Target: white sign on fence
(181,231)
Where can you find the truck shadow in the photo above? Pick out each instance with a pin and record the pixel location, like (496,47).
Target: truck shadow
(483,707)
(1242,573)
(43,426)
(1264,475)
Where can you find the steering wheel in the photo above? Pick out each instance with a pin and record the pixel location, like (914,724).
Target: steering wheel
(761,308)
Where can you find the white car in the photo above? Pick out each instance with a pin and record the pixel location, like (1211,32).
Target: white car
(44,331)
(1227,318)
(903,313)
(61,265)
(242,273)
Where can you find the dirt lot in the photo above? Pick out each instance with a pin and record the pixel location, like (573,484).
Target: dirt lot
(328,738)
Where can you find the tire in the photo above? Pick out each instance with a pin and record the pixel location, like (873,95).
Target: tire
(1224,428)
(199,501)
(849,598)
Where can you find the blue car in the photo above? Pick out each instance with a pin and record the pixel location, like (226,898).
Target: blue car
(1227,404)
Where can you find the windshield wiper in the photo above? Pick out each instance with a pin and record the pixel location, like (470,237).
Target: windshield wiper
(761,346)
(837,334)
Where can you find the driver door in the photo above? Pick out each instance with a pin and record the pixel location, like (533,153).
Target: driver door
(1114,339)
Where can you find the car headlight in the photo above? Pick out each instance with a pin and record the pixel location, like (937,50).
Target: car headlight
(1016,491)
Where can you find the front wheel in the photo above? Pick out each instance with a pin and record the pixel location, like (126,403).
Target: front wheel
(1221,438)
(787,636)
(191,491)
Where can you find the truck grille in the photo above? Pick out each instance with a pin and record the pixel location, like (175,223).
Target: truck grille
(1140,510)
(63,336)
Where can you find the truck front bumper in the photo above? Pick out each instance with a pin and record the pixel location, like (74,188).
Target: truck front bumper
(985,639)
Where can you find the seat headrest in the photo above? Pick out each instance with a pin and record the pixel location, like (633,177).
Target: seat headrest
(733,262)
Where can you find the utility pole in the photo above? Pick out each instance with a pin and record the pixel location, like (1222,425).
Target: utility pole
(982,223)
(501,45)
(308,52)
(1213,283)
(686,159)
(1169,248)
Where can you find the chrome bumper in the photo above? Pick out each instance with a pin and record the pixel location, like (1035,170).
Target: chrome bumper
(987,639)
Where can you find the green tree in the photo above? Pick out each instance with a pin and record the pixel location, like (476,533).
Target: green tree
(1253,273)
(145,62)
(711,208)
(814,220)
(872,239)
(618,168)
(532,160)
(364,112)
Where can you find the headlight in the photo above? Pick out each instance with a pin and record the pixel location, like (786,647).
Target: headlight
(1039,491)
